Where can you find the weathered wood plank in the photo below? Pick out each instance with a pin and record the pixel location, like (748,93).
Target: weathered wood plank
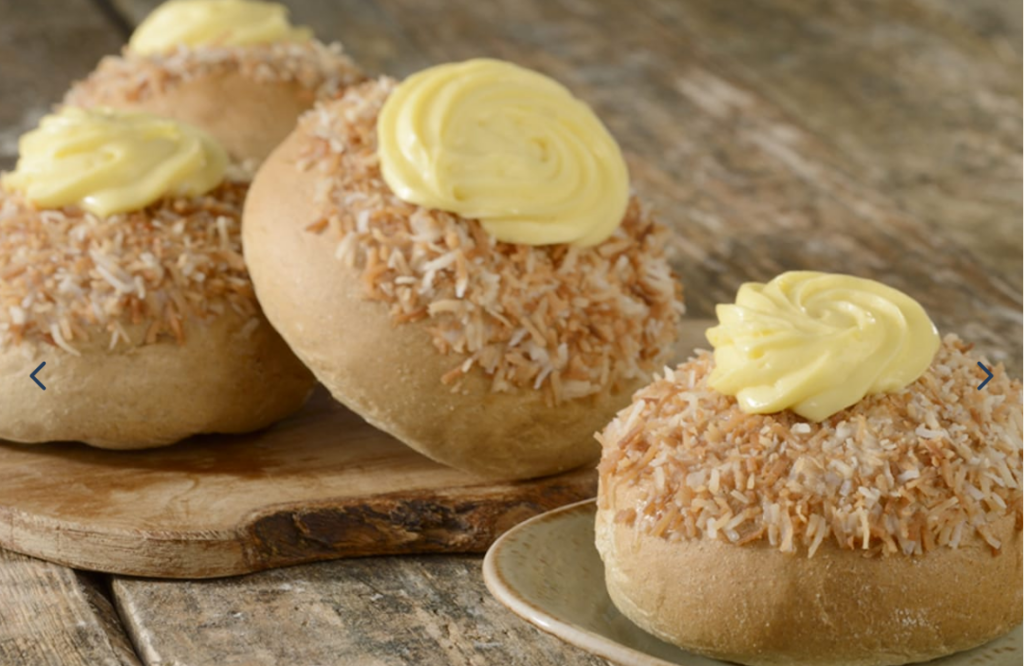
(998,22)
(921,108)
(53,616)
(319,485)
(429,611)
(44,45)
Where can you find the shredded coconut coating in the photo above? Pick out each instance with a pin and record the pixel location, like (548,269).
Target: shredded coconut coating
(906,472)
(570,321)
(321,68)
(67,276)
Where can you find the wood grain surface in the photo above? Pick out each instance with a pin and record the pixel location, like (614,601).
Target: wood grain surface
(321,484)
(53,616)
(877,138)
(421,610)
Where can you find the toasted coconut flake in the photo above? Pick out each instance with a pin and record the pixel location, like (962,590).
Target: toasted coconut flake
(904,472)
(570,321)
(324,69)
(68,276)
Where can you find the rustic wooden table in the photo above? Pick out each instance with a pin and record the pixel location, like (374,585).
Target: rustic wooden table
(878,138)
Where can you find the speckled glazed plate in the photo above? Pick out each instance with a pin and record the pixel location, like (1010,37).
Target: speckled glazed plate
(548,572)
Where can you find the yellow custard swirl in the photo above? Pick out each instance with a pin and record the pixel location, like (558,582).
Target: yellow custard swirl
(817,343)
(107,161)
(221,22)
(512,148)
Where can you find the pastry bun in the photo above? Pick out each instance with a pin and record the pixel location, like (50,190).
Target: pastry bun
(232,374)
(146,321)
(756,605)
(246,117)
(247,98)
(394,370)
(887,534)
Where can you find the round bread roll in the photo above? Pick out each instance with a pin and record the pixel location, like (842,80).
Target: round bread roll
(889,533)
(246,97)
(498,359)
(146,321)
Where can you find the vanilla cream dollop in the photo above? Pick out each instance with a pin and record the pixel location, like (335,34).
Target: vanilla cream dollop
(512,148)
(817,343)
(220,22)
(107,161)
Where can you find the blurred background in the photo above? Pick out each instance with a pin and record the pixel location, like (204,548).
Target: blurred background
(877,138)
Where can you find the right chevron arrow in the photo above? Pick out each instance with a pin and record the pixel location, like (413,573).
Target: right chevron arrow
(987,372)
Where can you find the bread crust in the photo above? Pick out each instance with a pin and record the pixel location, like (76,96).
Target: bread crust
(224,378)
(756,605)
(248,117)
(391,373)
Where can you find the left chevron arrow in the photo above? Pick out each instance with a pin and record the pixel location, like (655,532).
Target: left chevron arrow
(36,379)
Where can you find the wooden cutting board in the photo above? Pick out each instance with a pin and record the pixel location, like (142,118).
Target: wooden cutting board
(322,484)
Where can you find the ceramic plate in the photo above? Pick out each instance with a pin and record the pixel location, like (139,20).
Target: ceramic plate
(547,571)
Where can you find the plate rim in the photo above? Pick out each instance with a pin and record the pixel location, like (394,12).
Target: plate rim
(498,586)
(585,639)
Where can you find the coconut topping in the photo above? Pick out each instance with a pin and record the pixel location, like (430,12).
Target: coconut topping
(322,68)
(568,320)
(931,465)
(67,276)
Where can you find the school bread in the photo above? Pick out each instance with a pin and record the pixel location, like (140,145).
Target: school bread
(145,318)
(149,333)
(885,534)
(245,79)
(497,358)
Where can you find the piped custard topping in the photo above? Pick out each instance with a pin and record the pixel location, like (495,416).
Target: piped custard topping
(108,162)
(215,22)
(564,320)
(816,343)
(510,147)
(935,465)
